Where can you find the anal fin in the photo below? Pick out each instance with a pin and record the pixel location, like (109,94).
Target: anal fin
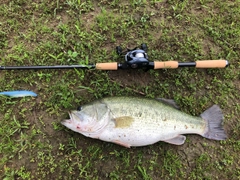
(122,143)
(178,140)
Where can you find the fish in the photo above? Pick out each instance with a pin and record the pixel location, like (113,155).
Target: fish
(135,121)
(20,93)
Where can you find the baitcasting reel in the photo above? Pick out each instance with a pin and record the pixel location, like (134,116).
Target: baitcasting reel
(134,58)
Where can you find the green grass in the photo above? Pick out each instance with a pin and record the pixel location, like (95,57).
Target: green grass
(34,145)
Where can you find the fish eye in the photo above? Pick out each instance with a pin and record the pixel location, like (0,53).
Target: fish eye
(79,108)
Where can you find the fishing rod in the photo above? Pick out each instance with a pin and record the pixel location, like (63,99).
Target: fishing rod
(134,59)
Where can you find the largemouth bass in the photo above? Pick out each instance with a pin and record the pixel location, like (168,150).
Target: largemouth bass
(131,121)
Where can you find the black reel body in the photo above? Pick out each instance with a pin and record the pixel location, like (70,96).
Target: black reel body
(135,58)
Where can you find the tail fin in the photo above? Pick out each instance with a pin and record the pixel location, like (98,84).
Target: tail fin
(214,118)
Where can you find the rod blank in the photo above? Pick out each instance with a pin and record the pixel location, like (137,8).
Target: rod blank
(47,67)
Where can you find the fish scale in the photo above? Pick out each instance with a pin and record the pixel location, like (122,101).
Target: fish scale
(132,121)
(152,117)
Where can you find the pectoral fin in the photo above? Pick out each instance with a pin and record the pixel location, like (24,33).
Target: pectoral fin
(123,121)
(178,140)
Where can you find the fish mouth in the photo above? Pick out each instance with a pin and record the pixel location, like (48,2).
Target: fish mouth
(68,121)
(74,116)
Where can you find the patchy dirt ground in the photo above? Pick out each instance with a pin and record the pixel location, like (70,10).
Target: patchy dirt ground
(34,145)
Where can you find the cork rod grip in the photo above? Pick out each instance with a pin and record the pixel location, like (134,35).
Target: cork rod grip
(211,64)
(165,65)
(107,66)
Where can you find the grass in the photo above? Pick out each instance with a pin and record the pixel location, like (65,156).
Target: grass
(34,145)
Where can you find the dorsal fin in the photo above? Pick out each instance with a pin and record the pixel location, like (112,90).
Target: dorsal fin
(169,102)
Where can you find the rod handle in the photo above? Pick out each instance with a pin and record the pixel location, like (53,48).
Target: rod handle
(212,64)
(165,64)
(197,64)
(107,66)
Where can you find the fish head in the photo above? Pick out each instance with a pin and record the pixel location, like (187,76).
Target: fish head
(89,120)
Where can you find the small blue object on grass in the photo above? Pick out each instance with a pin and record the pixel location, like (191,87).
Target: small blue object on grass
(21,93)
